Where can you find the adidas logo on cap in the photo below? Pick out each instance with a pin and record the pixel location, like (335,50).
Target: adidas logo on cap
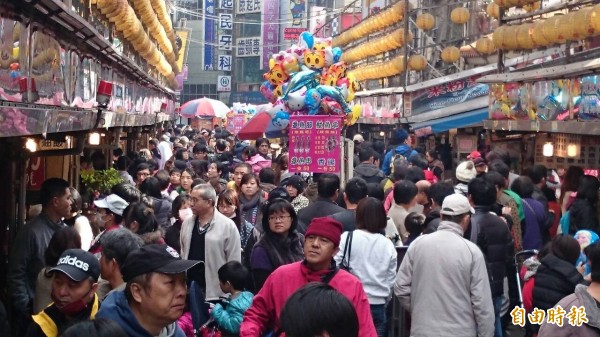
(74,261)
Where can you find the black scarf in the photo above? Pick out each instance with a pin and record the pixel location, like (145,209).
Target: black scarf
(283,250)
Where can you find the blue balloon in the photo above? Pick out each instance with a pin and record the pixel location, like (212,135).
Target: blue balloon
(312,101)
(337,54)
(305,78)
(306,40)
(280,121)
(335,94)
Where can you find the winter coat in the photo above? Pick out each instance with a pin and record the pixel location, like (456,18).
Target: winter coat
(162,212)
(404,150)
(317,209)
(432,221)
(590,329)
(265,311)
(116,308)
(555,279)
(583,216)
(222,244)
(535,219)
(258,162)
(447,294)
(27,259)
(230,318)
(369,172)
(492,236)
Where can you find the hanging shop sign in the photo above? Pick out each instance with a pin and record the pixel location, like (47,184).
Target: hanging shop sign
(225,41)
(292,34)
(248,6)
(225,21)
(269,31)
(315,144)
(248,46)
(445,95)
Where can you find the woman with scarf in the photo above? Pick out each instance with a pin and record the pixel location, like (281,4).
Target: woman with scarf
(251,199)
(281,244)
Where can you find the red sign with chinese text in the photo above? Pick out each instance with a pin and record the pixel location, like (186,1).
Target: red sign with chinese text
(315,144)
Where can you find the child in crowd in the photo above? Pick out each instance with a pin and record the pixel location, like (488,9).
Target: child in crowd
(232,277)
(414,226)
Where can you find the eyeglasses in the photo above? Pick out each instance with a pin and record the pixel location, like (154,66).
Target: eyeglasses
(280,217)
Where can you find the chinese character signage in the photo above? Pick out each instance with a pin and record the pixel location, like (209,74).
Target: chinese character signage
(209,34)
(226,4)
(270,31)
(248,6)
(247,46)
(225,21)
(224,63)
(315,144)
(225,41)
(235,123)
(223,83)
(447,94)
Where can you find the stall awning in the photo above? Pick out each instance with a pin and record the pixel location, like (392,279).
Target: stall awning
(462,120)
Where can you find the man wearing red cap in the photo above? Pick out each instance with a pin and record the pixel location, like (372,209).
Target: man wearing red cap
(320,246)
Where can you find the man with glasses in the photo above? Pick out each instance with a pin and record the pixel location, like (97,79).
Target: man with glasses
(238,172)
(211,237)
(431,280)
(142,171)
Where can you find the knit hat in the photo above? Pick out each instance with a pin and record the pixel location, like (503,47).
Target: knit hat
(465,172)
(474,155)
(325,227)
(295,181)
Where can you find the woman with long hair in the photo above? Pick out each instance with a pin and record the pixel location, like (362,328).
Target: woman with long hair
(251,199)
(185,183)
(371,257)
(140,219)
(229,205)
(280,244)
(161,206)
(569,186)
(535,234)
(583,213)
(281,168)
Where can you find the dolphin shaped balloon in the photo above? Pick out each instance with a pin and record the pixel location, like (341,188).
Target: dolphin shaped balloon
(335,94)
(305,78)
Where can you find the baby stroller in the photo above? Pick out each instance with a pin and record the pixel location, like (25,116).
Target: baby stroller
(520,257)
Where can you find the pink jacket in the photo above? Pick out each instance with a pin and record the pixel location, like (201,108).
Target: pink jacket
(258,163)
(185,323)
(266,307)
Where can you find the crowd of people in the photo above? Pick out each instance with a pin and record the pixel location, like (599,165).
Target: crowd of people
(204,225)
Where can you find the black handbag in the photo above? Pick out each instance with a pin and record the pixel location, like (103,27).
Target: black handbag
(345,264)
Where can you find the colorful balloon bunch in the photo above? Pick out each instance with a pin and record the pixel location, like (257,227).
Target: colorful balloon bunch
(309,78)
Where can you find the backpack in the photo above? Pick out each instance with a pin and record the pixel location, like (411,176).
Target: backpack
(396,158)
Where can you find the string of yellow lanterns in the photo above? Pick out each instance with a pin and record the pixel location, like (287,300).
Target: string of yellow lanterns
(371,24)
(392,67)
(160,9)
(127,23)
(377,46)
(558,29)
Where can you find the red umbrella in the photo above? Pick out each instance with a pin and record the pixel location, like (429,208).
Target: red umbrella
(204,107)
(255,127)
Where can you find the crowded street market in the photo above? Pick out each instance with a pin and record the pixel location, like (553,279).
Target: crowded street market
(329,168)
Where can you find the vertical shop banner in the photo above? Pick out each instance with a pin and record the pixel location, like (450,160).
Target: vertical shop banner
(315,144)
(226,4)
(225,21)
(224,63)
(270,31)
(235,123)
(209,34)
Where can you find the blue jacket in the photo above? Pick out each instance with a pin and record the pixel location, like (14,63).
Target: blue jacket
(116,308)
(230,319)
(403,149)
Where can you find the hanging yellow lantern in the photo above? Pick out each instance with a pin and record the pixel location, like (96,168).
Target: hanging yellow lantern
(531,7)
(460,15)
(582,20)
(523,37)
(493,10)
(485,46)
(537,35)
(502,3)
(549,30)
(417,62)
(397,63)
(499,36)
(425,21)
(510,41)
(564,28)
(450,54)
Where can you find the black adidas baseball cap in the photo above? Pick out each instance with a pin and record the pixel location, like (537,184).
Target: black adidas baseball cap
(78,265)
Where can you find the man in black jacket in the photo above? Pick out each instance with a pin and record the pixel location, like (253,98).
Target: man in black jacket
(367,169)
(356,190)
(491,234)
(328,187)
(27,254)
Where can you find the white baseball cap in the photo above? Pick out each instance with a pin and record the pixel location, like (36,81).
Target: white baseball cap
(358,138)
(113,202)
(456,204)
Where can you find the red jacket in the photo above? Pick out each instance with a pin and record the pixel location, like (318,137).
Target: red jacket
(266,307)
